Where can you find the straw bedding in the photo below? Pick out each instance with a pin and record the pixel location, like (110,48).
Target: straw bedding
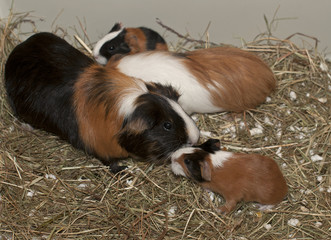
(49,190)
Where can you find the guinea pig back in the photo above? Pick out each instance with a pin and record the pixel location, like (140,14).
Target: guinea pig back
(53,86)
(122,40)
(235,176)
(237,81)
(40,74)
(208,80)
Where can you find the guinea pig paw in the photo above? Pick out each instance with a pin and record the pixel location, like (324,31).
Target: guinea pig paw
(222,210)
(263,207)
(228,206)
(27,127)
(117,169)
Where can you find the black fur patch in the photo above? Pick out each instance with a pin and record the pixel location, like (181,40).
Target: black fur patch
(152,37)
(192,162)
(168,91)
(116,27)
(158,141)
(40,74)
(210,146)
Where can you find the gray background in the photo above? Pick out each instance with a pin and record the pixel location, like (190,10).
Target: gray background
(231,20)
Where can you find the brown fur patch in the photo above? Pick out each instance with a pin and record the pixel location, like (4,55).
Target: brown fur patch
(237,80)
(161,47)
(136,39)
(97,97)
(248,177)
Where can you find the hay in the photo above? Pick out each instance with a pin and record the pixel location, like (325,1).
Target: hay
(49,190)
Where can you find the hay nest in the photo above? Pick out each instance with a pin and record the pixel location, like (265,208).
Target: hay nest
(49,190)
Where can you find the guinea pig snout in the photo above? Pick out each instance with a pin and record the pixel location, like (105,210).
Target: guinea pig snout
(193,136)
(176,167)
(188,144)
(178,155)
(192,140)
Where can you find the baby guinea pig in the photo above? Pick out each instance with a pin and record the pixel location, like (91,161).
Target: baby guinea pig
(208,80)
(54,87)
(122,40)
(235,176)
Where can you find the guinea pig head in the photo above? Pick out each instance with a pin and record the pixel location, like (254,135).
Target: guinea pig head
(156,128)
(111,44)
(193,163)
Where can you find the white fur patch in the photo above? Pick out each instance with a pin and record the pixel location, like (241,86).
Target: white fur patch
(177,169)
(127,102)
(162,67)
(96,50)
(211,87)
(218,85)
(192,129)
(175,166)
(219,157)
(180,152)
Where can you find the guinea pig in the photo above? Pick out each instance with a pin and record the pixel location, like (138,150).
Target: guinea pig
(208,80)
(122,40)
(235,176)
(53,86)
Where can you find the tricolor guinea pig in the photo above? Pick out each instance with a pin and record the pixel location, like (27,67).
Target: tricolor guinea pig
(235,176)
(53,86)
(122,40)
(208,80)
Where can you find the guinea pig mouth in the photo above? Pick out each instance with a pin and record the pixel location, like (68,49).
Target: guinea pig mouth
(155,155)
(185,146)
(149,150)
(169,155)
(160,157)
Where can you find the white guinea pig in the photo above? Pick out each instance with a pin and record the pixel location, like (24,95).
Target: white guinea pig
(53,86)
(235,176)
(208,80)
(122,40)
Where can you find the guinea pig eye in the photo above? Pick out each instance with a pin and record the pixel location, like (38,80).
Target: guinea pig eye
(111,48)
(167,126)
(187,161)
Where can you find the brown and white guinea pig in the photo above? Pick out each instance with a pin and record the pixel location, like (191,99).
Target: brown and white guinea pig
(208,80)
(53,86)
(122,40)
(235,176)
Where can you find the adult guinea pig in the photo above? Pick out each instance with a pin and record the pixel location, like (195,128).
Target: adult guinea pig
(122,40)
(53,86)
(208,80)
(236,176)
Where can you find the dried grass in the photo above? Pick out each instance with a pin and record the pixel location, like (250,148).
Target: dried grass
(49,190)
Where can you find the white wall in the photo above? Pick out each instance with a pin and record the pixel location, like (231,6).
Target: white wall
(230,19)
(4,4)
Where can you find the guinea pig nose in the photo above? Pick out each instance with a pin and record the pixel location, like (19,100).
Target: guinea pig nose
(188,144)
(193,139)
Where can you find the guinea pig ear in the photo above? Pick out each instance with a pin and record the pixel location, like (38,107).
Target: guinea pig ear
(215,143)
(205,171)
(116,27)
(135,124)
(167,91)
(211,145)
